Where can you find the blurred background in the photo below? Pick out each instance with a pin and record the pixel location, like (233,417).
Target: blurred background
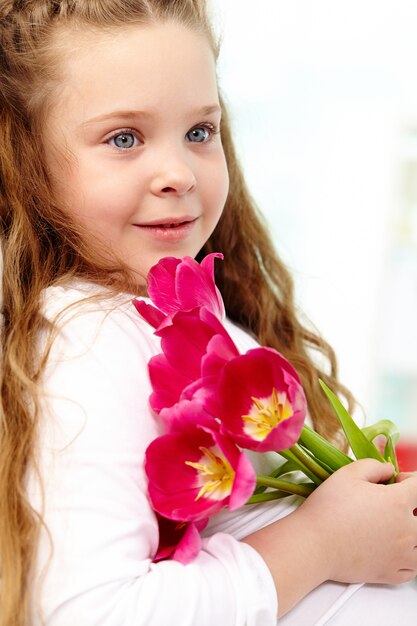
(323,97)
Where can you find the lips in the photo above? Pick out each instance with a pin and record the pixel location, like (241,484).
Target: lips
(169,229)
(168,222)
(171,225)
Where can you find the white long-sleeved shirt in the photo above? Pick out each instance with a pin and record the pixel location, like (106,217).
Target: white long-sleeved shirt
(94,429)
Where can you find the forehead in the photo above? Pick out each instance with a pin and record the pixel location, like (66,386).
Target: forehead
(164,63)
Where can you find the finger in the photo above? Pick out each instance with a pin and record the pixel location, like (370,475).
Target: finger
(405,476)
(405,575)
(408,481)
(372,470)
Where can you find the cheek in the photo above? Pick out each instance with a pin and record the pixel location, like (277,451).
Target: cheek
(112,195)
(226,184)
(218,185)
(90,198)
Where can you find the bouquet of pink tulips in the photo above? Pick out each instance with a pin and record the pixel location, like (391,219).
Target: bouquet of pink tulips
(214,402)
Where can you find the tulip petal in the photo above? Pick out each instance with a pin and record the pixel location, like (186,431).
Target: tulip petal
(207,264)
(245,477)
(151,314)
(167,383)
(220,350)
(186,414)
(203,391)
(183,506)
(184,342)
(161,284)
(195,285)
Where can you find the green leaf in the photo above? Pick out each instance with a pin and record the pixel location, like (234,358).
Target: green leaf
(290,456)
(383,427)
(324,451)
(320,462)
(391,433)
(361,447)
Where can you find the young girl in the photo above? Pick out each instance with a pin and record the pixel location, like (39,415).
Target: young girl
(115,152)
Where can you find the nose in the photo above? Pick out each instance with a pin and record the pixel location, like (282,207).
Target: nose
(173,176)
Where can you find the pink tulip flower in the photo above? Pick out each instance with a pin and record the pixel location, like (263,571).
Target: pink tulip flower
(184,284)
(194,344)
(260,401)
(195,473)
(179,541)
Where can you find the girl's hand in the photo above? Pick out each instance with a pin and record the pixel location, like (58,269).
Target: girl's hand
(350,529)
(367,531)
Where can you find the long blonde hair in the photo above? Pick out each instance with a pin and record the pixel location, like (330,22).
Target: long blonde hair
(41,247)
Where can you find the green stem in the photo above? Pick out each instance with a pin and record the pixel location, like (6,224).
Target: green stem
(265,497)
(289,454)
(284,468)
(309,462)
(298,489)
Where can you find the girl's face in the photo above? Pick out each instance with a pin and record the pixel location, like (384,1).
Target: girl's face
(132,142)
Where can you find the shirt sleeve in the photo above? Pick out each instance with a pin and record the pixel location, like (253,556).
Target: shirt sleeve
(95,555)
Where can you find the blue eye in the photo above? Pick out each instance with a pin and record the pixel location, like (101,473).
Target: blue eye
(199,134)
(124,140)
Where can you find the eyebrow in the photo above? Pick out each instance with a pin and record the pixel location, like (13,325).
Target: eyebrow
(129,115)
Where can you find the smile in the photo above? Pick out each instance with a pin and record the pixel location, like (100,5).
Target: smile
(170,230)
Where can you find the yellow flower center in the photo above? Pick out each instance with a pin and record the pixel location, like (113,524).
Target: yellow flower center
(266,413)
(215,474)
